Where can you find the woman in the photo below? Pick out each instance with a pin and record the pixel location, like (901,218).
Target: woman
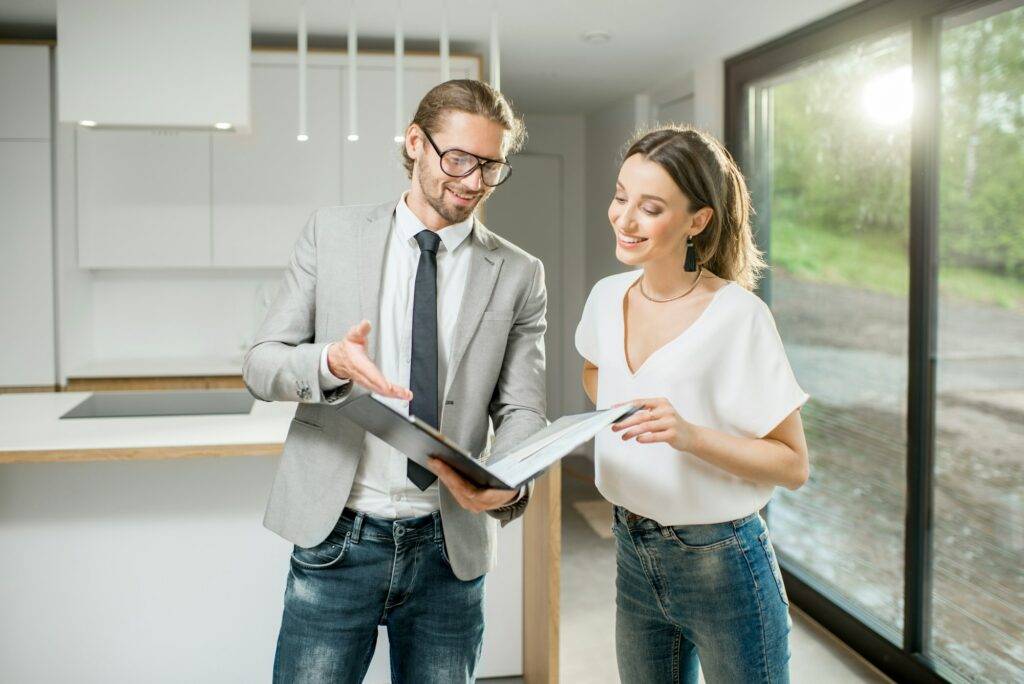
(719,426)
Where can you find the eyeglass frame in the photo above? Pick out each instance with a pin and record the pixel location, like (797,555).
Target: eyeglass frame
(480,161)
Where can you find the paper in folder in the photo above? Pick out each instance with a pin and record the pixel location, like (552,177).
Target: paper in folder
(419,441)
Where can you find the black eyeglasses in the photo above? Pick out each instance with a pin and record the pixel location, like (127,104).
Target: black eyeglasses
(459,164)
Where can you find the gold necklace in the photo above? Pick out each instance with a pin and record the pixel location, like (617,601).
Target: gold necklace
(700,272)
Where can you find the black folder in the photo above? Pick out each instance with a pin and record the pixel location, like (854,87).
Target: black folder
(419,441)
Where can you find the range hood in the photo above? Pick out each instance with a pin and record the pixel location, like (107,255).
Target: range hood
(179,64)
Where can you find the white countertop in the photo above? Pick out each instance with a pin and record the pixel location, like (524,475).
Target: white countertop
(31,423)
(199,366)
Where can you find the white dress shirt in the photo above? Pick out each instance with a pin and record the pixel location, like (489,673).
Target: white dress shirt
(381,488)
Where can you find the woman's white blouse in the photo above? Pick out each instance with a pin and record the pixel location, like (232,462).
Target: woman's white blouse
(727,371)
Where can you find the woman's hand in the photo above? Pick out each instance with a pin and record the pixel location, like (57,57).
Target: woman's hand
(657,421)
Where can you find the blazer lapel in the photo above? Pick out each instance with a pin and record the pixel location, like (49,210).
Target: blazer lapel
(484,267)
(372,241)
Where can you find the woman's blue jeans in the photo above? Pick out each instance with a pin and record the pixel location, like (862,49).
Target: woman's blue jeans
(699,597)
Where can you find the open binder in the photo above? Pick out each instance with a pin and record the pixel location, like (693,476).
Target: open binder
(419,441)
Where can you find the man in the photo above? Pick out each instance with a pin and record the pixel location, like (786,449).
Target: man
(417,302)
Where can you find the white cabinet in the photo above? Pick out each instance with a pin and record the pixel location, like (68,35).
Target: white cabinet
(266,184)
(25,92)
(143,198)
(26,218)
(164,199)
(26,264)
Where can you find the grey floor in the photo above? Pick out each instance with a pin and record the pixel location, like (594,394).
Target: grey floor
(588,604)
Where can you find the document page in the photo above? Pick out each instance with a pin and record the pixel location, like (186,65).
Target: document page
(552,443)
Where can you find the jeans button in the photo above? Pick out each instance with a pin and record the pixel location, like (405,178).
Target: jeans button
(399,530)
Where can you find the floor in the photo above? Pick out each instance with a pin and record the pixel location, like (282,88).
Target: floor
(588,600)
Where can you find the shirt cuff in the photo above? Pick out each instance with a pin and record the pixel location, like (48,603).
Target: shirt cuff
(328,380)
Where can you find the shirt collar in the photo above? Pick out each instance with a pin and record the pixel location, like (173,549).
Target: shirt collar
(408,225)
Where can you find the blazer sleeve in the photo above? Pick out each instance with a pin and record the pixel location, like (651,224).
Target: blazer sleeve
(518,407)
(283,363)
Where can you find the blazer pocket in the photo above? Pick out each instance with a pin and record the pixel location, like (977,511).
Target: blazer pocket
(498,315)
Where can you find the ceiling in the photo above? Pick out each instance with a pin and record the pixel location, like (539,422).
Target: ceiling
(546,66)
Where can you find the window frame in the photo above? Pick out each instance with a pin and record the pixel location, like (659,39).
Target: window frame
(907,658)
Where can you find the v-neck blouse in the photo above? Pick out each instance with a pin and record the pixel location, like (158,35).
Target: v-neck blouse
(727,371)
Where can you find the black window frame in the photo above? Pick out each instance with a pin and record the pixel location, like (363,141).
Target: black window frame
(906,659)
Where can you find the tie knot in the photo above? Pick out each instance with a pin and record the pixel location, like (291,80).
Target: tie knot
(428,240)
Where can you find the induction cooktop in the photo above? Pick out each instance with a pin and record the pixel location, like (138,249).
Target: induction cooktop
(165,403)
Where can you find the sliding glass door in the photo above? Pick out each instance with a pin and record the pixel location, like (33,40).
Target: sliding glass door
(978,558)
(833,206)
(885,152)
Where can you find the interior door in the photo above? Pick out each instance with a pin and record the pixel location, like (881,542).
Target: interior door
(527,210)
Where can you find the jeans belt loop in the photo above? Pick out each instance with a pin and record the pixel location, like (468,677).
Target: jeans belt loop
(357,527)
(438,534)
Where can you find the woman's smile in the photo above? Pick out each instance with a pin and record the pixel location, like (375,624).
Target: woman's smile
(629,241)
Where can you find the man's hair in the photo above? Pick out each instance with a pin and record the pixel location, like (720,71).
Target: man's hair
(472,97)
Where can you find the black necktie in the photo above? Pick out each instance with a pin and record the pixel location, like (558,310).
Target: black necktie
(423,372)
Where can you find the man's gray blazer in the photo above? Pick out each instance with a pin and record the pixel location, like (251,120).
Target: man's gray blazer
(495,374)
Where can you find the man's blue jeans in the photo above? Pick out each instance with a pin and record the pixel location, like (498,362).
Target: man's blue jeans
(371,572)
(699,596)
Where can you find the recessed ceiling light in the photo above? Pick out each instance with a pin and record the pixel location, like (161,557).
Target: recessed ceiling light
(399,138)
(302,137)
(353,137)
(222,126)
(596,36)
(88,123)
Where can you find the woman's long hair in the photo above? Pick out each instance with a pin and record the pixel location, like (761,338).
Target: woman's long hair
(707,175)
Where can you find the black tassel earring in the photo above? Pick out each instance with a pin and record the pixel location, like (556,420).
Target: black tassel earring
(690,265)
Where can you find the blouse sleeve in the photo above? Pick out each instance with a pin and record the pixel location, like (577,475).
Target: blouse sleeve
(586,329)
(764,389)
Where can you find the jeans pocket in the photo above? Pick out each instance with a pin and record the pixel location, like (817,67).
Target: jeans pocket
(703,538)
(773,563)
(327,554)
(443,551)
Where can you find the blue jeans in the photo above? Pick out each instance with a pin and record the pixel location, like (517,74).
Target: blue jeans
(699,596)
(371,572)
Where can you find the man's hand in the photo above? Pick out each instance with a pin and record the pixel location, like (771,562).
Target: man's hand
(469,496)
(347,360)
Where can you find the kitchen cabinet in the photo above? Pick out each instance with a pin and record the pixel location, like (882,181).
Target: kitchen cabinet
(26,265)
(26,218)
(266,184)
(171,199)
(25,92)
(143,198)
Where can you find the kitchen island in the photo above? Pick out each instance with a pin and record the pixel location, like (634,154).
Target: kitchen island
(31,431)
(134,550)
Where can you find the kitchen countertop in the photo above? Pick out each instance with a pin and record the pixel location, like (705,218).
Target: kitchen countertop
(31,431)
(160,367)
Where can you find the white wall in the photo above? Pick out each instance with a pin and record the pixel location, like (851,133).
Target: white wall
(563,135)
(141,314)
(709,97)
(608,131)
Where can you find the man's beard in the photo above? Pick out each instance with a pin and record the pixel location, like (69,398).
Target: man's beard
(448,213)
